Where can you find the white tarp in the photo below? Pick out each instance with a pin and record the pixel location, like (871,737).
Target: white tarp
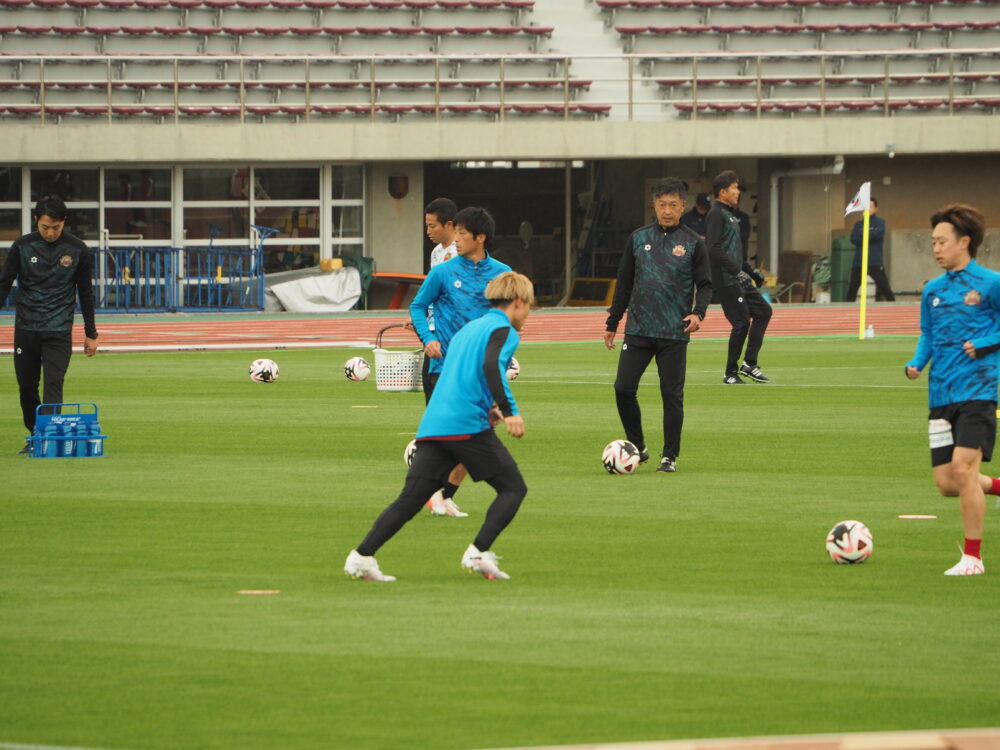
(315,291)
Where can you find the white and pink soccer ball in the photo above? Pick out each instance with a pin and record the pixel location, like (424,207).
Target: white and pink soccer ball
(411,448)
(264,371)
(620,457)
(357,369)
(849,542)
(513,369)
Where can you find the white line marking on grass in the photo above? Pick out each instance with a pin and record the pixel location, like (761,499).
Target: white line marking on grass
(915,517)
(365,406)
(17,746)
(259,592)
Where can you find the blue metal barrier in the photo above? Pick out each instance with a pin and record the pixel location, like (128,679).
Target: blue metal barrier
(168,279)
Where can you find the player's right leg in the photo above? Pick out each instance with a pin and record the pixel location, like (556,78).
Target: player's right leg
(28,370)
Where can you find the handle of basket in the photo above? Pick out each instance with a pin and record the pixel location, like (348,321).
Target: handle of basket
(378,336)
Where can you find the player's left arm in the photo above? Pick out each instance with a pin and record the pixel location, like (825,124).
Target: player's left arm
(701,272)
(85,290)
(990,341)
(499,349)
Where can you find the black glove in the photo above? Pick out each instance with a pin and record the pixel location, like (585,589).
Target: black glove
(758,277)
(745,281)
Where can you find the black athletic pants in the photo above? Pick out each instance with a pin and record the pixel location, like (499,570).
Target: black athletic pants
(671,364)
(882,289)
(486,458)
(748,313)
(35,352)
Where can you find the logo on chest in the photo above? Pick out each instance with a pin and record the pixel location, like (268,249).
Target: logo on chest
(679,250)
(65,261)
(458,283)
(972,297)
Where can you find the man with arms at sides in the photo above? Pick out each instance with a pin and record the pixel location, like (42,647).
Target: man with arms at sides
(52,268)
(876,269)
(734,279)
(455,290)
(663,281)
(471,397)
(960,337)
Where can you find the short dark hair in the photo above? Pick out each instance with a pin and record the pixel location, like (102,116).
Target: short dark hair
(477,220)
(873,200)
(671,186)
(724,180)
(444,208)
(52,207)
(967,221)
(702,201)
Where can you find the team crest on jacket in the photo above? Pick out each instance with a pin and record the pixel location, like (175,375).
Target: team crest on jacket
(972,297)
(680,251)
(458,284)
(65,261)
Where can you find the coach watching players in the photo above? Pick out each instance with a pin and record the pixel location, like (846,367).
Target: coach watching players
(746,310)
(662,266)
(51,267)
(960,337)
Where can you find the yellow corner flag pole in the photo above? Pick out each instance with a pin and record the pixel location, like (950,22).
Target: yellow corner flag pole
(862,202)
(864,276)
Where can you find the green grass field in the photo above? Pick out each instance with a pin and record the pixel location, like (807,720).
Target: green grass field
(652,606)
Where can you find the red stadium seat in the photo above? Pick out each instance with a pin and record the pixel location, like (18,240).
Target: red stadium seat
(329,109)
(93,110)
(286,4)
(305,30)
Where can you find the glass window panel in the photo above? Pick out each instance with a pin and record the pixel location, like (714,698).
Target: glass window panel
(290,221)
(231,223)
(68,184)
(10,224)
(10,184)
(137,184)
(289,257)
(151,223)
(226,184)
(83,223)
(348,182)
(347,221)
(292,183)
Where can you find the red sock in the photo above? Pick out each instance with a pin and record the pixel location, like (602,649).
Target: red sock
(994,487)
(973,547)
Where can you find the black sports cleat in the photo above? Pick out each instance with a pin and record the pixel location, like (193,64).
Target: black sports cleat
(754,373)
(643,455)
(26,449)
(732,380)
(667,464)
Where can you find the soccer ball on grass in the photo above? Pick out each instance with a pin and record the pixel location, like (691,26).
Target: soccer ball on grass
(513,369)
(849,542)
(620,457)
(411,448)
(264,371)
(356,368)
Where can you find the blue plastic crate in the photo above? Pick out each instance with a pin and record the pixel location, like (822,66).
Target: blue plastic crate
(67,431)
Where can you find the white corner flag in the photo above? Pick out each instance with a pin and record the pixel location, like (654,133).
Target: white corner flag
(861,201)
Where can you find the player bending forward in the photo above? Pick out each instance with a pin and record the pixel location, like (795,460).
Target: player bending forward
(472,395)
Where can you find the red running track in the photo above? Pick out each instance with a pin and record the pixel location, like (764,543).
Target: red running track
(250,332)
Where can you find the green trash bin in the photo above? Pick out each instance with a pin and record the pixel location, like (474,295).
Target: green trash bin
(841,257)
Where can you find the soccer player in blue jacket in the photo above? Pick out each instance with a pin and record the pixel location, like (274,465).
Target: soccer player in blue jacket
(471,397)
(960,335)
(455,291)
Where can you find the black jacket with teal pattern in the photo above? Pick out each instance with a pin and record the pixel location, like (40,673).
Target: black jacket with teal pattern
(49,277)
(663,277)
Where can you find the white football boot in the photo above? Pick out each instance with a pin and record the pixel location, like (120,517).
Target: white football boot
(365,568)
(967,566)
(484,563)
(441,506)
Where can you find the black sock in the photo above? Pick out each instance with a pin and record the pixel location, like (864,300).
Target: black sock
(449,490)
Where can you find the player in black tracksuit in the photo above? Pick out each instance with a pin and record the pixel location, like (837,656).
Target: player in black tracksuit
(52,268)
(734,280)
(663,281)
